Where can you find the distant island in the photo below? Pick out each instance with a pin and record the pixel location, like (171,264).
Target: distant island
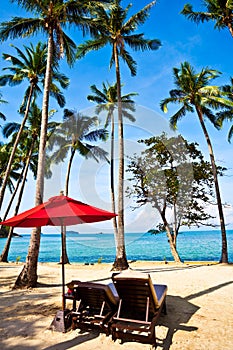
(73,232)
(4,233)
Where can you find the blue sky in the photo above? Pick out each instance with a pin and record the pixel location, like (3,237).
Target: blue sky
(182,40)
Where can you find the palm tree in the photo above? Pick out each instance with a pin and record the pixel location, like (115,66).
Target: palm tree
(195,95)
(49,17)
(107,101)
(70,137)
(219,11)
(31,66)
(116,30)
(28,148)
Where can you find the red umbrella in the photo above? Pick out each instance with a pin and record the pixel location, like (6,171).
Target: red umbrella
(59,211)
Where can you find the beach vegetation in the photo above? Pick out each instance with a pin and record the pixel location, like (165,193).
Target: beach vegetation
(117,30)
(193,92)
(172,176)
(4,231)
(100,259)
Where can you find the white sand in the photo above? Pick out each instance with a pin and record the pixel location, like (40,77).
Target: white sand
(199,308)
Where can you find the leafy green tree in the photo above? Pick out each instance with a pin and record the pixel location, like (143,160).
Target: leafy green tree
(29,65)
(117,30)
(106,100)
(219,11)
(173,177)
(194,94)
(50,17)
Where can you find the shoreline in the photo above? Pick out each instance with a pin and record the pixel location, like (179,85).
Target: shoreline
(199,307)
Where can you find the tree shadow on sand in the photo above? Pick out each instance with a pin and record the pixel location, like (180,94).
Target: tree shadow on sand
(83,337)
(179,312)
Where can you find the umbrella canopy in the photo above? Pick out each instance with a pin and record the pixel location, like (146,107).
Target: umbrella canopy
(59,211)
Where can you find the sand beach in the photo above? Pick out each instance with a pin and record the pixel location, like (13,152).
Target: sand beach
(199,307)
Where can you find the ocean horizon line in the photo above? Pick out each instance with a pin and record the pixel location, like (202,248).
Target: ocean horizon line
(127,232)
(94,247)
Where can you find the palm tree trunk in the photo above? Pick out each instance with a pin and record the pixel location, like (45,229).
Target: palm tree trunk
(121,260)
(68,171)
(13,194)
(28,276)
(10,161)
(5,252)
(224,255)
(112,178)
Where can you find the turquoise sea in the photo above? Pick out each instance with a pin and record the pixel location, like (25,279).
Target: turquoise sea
(88,248)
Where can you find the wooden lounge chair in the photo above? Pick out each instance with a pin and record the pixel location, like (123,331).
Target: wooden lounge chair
(95,307)
(139,309)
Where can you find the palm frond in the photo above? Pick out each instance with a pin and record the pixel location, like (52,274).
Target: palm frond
(2,116)
(129,61)
(11,81)
(196,17)
(211,117)
(90,45)
(178,115)
(100,134)
(10,128)
(69,49)
(138,43)
(19,27)
(230,134)
(96,153)
(128,115)
(61,78)
(139,18)
(59,96)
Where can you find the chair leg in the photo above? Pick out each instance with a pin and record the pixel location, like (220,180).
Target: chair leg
(164,308)
(113,333)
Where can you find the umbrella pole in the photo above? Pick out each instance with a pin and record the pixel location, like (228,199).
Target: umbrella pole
(63,268)
(59,322)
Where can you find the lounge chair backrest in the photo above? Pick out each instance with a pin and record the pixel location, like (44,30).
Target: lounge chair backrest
(134,289)
(95,294)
